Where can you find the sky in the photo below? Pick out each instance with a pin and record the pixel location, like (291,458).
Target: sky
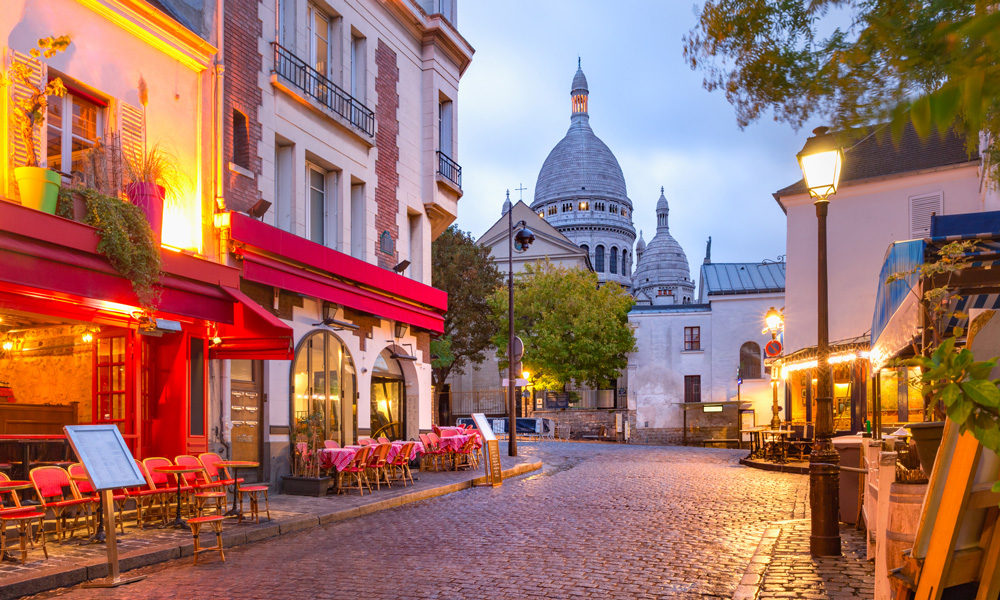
(646,104)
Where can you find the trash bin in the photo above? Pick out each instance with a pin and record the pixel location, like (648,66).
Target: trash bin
(849,448)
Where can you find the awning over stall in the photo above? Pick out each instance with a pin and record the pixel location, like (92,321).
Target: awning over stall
(256,333)
(896,322)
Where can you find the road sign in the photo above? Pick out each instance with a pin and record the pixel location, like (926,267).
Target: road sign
(773,348)
(518,349)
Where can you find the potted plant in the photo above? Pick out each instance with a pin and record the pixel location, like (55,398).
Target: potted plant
(37,186)
(308,440)
(148,174)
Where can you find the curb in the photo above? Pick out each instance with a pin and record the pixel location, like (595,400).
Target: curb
(749,586)
(766,466)
(37,583)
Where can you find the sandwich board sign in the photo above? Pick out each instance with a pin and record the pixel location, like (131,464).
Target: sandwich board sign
(110,465)
(494,471)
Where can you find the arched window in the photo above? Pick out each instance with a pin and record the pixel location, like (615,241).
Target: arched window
(324,382)
(625,263)
(750,360)
(586,249)
(613,261)
(599,259)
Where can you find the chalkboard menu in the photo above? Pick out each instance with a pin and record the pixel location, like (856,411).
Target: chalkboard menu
(102,450)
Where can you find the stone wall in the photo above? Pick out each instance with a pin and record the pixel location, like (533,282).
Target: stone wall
(585,422)
(700,426)
(53,366)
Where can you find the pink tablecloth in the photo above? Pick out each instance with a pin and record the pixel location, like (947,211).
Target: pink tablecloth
(418,449)
(451,431)
(452,443)
(337,458)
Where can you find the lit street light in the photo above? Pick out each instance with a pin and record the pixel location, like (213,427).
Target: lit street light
(821,159)
(775,322)
(516,243)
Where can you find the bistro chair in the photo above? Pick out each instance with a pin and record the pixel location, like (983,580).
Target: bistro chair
(148,496)
(208,460)
(22,518)
(330,444)
(401,463)
(432,454)
(200,479)
(15,501)
(800,442)
(383,440)
(377,464)
(253,493)
(442,453)
(216,500)
(215,521)
(161,481)
(50,483)
(86,489)
(366,441)
(466,455)
(357,469)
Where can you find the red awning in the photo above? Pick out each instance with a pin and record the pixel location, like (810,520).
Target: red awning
(256,333)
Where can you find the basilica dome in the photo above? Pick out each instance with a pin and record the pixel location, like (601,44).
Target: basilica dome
(663,275)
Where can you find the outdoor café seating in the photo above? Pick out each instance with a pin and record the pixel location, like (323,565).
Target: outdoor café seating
(377,464)
(356,470)
(22,517)
(50,485)
(78,474)
(148,496)
(215,521)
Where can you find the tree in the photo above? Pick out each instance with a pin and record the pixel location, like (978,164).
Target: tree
(573,330)
(932,63)
(467,272)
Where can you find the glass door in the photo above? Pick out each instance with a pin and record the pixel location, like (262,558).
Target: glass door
(246,409)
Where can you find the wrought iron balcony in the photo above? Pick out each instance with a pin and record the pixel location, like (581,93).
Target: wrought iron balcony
(449,169)
(318,87)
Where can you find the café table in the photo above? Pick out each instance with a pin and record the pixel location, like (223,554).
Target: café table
(776,436)
(756,440)
(12,486)
(236,465)
(337,458)
(177,471)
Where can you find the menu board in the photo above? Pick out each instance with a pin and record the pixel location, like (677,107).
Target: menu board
(484,426)
(102,450)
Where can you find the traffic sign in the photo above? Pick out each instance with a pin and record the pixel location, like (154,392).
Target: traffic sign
(773,348)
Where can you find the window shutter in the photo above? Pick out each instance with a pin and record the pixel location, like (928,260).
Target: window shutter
(18,149)
(130,129)
(922,208)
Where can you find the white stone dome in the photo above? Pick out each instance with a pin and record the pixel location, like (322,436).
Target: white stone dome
(663,271)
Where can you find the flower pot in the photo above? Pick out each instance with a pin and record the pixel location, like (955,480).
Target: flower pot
(148,197)
(38,187)
(305,486)
(928,439)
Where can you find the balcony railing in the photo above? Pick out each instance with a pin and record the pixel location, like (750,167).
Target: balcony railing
(449,169)
(324,91)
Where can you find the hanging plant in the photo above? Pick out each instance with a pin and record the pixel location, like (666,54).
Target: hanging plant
(127,242)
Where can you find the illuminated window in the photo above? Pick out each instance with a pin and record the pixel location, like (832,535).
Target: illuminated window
(73,125)
(584,206)
(553,209)
(567,207)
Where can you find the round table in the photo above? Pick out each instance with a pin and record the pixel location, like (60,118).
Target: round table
(12,486)
(236,465)
(177,471)
(776,435)
(99,535)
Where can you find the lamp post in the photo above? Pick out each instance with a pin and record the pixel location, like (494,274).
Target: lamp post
(516,243)
(775,322)
(820,160)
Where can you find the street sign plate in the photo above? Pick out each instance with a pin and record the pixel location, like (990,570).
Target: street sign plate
(773,348)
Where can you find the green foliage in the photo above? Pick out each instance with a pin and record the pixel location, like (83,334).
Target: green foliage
(127,242)
(309,434)
(467,272)
(156,165)
(28,113)
(934,64)
(573,330)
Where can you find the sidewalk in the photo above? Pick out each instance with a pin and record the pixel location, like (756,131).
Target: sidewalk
(72,563)
(783,568)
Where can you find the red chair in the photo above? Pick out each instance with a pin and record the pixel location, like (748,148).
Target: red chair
(15,501)
(401,463)
(377,463)
(466,455)
(383,440)
(438,450)
(86,489)
(22,517)
(366,442)
(208,460)
(330,444)
(358,470)
(432,454)
(161,481)
(199,480)
(50,485)
(147,496)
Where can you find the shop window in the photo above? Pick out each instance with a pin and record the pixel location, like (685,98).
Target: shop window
(74,122)
(692,338)
(197,421)
(111,375)
(388,410)
(324,382)
(692,388)
(749,360)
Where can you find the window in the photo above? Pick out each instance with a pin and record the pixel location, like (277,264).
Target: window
(585,248)
(599,259)
(74,123)
(323,382)
(625,262)
(692,388)
(584,205)
(241,140)
(553,209)
(284,182)
(319,41)
(599,206)
(415,270)
(541,214)
(358,71)
(750,361)
(692,338)
(444,127)
(567,207)
(614,209)
(613,261)
(358,220)
(624,213)
(316,208)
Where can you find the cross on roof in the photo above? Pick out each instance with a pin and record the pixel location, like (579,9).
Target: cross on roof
(520,191)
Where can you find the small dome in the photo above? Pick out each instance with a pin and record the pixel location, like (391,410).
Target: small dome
(661,204)
(579,81)
(663,271)
(641,245)
(506,204)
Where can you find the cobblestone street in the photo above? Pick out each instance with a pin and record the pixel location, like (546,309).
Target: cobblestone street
(601,521)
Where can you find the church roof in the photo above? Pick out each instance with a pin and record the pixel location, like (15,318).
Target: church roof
(729,279)
(580,164)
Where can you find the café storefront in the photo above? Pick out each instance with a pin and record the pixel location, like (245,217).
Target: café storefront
(76,348)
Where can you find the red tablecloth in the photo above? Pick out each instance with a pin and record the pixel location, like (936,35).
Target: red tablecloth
(336,458)
(452,443)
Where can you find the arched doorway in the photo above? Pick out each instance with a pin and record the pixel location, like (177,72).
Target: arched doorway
(324,381)
(388,397)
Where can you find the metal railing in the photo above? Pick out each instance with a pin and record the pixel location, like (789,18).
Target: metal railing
(319,88)
(488,401)
(449,169)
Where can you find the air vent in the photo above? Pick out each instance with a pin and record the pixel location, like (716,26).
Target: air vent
(922,208)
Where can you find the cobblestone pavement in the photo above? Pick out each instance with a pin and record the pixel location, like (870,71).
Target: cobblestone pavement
(601,521)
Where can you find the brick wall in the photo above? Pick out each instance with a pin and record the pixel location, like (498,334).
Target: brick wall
(386,168)
(241,92)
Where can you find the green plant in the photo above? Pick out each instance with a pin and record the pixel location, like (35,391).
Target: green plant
(155,165)
(29,111)
(127,242)
(308,441)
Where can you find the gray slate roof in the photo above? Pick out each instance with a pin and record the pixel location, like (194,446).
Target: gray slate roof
(729,279)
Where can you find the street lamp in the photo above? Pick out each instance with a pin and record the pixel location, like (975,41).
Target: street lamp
(821,159)
(775,322)
(516,243)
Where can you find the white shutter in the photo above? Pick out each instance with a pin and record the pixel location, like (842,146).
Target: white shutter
(130,129)
(922,208)
(18,150)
